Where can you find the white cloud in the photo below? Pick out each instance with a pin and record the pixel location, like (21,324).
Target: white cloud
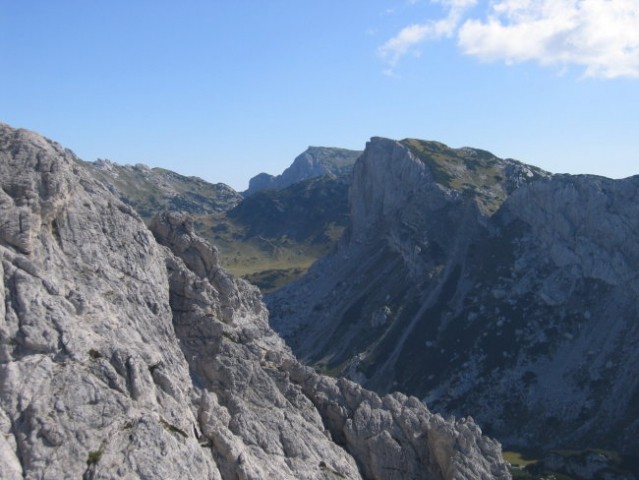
(602,36)
(409,37)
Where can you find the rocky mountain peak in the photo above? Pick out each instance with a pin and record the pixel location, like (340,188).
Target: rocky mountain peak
(390,174)
(313,162)
(34,198)
(386,175)
(475,172)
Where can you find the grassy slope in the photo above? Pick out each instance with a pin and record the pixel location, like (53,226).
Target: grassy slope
(531,465)
(471,171)
(274,236)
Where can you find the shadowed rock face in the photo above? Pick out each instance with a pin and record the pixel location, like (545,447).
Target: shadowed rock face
(131,354)
(482,286)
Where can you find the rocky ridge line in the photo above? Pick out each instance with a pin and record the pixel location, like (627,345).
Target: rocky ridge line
(150,190)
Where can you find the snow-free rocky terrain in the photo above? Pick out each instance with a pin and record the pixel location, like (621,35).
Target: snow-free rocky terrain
(270,237)
(312,163)
(129,353)
(483,286)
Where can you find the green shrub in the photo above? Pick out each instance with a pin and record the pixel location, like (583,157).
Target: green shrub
(94,457)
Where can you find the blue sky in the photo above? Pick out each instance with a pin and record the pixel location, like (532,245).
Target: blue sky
(227,89)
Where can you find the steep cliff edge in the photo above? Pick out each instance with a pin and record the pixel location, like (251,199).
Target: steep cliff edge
(485,286)
(131,354)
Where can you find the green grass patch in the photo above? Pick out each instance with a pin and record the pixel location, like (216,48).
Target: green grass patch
(270,280)
(94,457)
(519,459)
(475,173)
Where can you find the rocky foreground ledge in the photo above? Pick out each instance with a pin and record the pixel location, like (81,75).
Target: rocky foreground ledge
(131,354)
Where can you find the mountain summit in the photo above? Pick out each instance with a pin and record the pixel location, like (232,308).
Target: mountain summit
(314,162)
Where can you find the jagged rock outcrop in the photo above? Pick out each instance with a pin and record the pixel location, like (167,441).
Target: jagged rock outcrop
(314,162)
(131,354)
(483,286)
(92,378)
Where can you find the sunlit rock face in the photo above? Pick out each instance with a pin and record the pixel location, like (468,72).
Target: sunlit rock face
(483,286)
(313,162)
(129,353)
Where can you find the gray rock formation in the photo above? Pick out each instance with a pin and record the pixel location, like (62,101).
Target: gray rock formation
(314,162)
(482,286)
(131,354)
(151,190)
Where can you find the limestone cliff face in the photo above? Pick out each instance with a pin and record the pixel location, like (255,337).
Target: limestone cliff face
(314,162)
(383,183)
(485,286)
(131,354)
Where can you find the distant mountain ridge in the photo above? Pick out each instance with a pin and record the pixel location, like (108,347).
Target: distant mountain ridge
(270,237)
(482,285)
(149,190)
(314,162)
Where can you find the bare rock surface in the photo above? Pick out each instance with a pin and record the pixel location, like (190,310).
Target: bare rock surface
(131,354)
(149,190)
(485,287)
(314,162)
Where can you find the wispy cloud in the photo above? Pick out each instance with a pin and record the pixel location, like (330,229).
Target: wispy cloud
(602,36)
(409,37)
